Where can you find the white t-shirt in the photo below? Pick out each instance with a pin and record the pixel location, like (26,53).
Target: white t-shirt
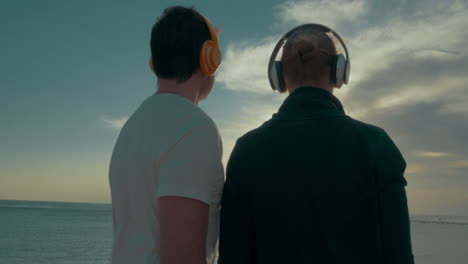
(168,147)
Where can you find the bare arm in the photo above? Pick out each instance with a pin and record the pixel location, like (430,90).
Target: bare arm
(183,230)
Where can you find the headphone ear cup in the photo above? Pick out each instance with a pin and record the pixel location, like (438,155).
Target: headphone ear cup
(338,69)
(280,76)
(274,75)
(210,58)
(347,72)
(333,69)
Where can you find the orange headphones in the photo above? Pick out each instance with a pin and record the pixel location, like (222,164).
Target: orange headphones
(210,54)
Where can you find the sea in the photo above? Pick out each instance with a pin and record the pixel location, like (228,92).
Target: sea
(57,232)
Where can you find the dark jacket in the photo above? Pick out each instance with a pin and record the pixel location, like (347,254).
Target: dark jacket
(312,185)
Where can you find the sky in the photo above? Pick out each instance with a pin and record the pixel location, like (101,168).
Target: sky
(72,72)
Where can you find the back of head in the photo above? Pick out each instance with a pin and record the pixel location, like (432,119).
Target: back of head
(308,56)
(176,41)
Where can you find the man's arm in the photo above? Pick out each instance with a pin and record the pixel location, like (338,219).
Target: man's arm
(394,216)
(395,226)
(236,239)
(183,229)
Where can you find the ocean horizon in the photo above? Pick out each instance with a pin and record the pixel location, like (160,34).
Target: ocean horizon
(70,232)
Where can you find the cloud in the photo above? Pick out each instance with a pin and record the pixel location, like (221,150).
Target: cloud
(431,154)
(436,54)
(245,66)
(337,11)
(414,169)
(409,60)
(116,123)
(424,126)
(423,201)
(459,164)
(392,64)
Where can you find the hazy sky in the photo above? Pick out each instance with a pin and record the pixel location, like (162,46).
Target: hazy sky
(71,72)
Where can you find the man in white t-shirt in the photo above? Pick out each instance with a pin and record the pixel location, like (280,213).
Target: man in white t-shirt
(166,174)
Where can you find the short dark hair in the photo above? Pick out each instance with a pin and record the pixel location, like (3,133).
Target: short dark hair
(176,41)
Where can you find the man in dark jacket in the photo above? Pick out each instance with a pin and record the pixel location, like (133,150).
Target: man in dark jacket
(313,185)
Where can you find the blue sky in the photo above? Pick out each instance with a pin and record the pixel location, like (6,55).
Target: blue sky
(73,71)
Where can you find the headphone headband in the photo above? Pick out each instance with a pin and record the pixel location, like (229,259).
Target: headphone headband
(214,36)
(321,28)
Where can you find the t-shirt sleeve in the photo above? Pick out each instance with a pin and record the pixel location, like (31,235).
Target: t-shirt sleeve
(192,166)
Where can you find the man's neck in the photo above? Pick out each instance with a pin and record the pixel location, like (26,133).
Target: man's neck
(325,85)
(186,89)
(328,89)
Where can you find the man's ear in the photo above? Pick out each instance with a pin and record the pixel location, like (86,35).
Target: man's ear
(151,64)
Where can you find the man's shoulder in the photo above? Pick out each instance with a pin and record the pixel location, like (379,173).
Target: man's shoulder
(380,143)
(200,126)
(369,130)
(197,117)
(255,133)
(251,140)
(200,120)
(205,119)
(184,114)
(366,128)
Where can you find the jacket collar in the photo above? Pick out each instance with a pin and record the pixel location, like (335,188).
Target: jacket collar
(309,102)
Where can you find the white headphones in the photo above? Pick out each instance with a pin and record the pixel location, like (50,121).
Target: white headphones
(340,67)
